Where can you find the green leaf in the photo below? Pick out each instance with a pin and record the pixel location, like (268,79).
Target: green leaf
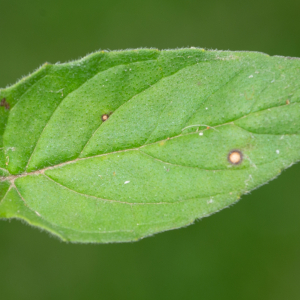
(121,145)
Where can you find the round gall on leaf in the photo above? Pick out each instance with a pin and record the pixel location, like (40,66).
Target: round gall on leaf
(235,157)
(104,117)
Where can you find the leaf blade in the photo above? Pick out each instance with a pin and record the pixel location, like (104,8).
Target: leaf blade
(161,159)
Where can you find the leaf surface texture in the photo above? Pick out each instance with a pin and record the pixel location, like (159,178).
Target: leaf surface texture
(121,145)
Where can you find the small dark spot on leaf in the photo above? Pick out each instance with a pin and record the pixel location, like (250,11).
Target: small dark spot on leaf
(235,157)
(5,104)
(104,117)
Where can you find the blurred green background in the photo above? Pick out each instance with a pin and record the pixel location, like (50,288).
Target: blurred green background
(249,251)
